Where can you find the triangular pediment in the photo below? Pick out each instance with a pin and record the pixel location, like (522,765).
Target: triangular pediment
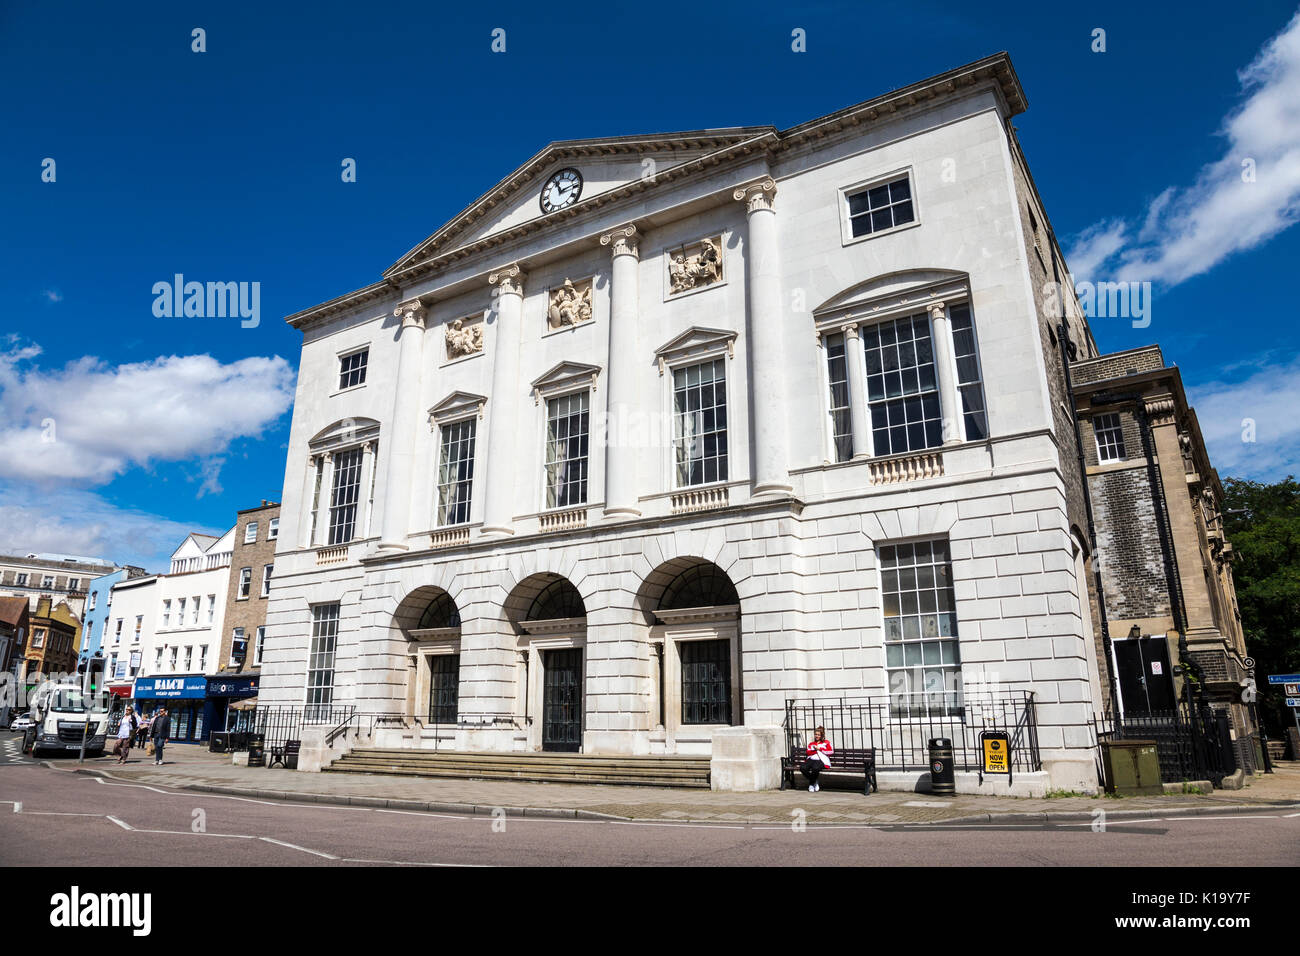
(697,340)
(565,374)
(456,405)
(606,165)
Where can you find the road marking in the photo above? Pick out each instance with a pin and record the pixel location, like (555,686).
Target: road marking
(927,803)
(294,846)
(124,826)
(1239,816)
(349,859)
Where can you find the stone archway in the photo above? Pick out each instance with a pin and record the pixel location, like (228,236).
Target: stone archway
(429,621)
(696,661)
(550,617)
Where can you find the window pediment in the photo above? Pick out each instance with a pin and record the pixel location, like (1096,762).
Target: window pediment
(455,406)
(565,377)
(345,431)
(893,294)
(696,342)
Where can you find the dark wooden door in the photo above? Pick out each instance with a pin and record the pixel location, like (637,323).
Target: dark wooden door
(1142,668)
(562,700)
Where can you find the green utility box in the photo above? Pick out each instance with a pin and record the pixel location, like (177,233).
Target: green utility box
(1132,767)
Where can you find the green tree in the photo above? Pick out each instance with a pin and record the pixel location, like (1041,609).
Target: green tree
(1265,533)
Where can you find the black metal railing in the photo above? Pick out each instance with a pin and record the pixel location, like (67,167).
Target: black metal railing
(900,730)
(441,734)
(280,724)
(1192,740)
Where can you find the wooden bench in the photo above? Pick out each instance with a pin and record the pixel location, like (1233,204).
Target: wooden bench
(285,754)
(849,760)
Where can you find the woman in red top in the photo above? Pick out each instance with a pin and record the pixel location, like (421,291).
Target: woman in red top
(819,751)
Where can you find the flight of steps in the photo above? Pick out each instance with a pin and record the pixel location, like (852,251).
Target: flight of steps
(648,771)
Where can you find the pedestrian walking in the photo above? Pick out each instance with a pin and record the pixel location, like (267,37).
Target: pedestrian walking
(819,751)
(125,730)
(160,729)
(142,735)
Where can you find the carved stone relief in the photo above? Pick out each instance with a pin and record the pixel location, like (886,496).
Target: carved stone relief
(695,266)
(464,337)
(570,304)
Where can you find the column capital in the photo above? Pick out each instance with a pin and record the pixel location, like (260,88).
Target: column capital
(623,239)
(756,196)
(509,279)
(328,456)
(937,310)
(411,312)
(850,330)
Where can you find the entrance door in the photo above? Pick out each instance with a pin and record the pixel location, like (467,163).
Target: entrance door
(1142,668)
(562,700)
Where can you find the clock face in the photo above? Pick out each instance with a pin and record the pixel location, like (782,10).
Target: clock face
(562,189)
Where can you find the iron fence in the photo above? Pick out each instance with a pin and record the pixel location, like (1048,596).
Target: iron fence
(1192,740)
(435,735)
(280,724)
(900,730)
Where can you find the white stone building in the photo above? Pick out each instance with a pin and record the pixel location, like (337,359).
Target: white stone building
(190,608)
(665,430)
(128,640)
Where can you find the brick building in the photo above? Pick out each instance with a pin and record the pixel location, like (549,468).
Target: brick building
(54,641)
(1166,565)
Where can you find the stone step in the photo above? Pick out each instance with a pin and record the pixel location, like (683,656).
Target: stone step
(525,776)
(655,762)
(645,770)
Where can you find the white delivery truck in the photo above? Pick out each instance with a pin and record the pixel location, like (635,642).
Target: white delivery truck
(61,719)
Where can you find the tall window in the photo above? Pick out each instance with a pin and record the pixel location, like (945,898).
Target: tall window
(456,474)
(315,496)
(250,532)
(189,657)
(921,659)
(700,423)
(444,688)
(212,607)
(266,579)
(167,613)
(117,634)
(1110,437)
(902,389)
(245,582)
(273,529)
(320,663)
(180,612)
(969,385)
(93,595)
(352,368)
(881,207)
(74,584)
(261,642)
(238,645)
(139,624)
(566,450)
(841,418)
(706,682)
(22,580)
(343,500)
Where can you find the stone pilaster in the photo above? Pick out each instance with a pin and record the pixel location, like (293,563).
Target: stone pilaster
(405,419)
(499,502)
(622,398)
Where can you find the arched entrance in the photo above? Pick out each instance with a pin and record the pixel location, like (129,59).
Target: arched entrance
(695,640)
(430,621)
(551,619)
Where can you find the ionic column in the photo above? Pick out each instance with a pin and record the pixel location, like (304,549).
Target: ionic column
(856,372)
(308,503)
(363,492)
(766,340)
(621,394)
(945,370)
(406,417)
(323,503)
(499,501)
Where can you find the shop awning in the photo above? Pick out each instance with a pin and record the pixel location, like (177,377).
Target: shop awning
(120,690)
(248,703)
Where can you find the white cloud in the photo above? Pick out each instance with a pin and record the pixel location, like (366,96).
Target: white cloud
(90,421)
(71,521)
(1188,230)
(1268,397)
(52,295)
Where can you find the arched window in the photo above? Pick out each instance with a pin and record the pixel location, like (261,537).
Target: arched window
(701,585)
(558,599)
(441,612)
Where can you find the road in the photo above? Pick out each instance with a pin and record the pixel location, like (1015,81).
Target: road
(51,816)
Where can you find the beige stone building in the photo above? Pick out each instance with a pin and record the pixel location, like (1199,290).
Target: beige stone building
(1166,565)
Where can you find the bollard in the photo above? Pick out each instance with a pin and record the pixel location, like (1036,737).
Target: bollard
(943,781)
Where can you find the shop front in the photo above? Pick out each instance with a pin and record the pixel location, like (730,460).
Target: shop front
(184,696)
(225,692)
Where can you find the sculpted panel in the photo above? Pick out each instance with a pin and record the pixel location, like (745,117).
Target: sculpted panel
(696,266)
(464,337)
(570,304)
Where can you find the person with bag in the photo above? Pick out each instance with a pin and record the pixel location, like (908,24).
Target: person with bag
(819,751)
(142,734)
(125,731)
(160,730)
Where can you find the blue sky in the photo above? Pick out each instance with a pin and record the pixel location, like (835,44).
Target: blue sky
(120,431)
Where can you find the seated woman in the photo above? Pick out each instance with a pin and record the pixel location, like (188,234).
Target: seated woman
(819,751)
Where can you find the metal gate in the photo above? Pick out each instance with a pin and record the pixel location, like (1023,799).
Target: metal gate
(562,700)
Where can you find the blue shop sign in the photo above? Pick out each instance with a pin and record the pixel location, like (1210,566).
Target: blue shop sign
(168,688)
(232,687)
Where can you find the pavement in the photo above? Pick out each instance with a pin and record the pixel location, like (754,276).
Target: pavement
(195,769)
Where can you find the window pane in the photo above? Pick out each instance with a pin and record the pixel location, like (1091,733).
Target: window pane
(456,472)
(921,654)
(699,423)
(343,498)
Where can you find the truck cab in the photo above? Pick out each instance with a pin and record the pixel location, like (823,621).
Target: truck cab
(61,717)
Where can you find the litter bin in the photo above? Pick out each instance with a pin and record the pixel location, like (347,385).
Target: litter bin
(943,781)
(256,750)
(219,742)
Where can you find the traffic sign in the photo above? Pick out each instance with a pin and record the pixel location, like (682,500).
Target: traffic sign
(1284,678)
(1293,701)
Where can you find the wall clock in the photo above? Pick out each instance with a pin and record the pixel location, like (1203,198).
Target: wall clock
(562,189)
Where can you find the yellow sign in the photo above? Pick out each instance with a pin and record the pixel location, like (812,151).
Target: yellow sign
(997,753)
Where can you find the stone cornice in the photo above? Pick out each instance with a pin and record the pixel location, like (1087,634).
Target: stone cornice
(729,145)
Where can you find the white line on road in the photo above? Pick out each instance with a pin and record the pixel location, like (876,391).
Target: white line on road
(124,826)
(294,846)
